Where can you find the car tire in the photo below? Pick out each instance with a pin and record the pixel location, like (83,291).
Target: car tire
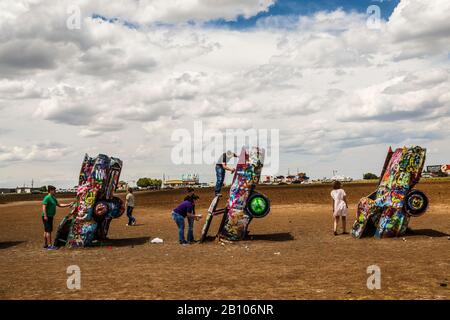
(258,205)
(62,232)
(416,203)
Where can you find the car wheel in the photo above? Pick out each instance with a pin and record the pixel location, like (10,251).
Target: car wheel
(258,205)
(416,203)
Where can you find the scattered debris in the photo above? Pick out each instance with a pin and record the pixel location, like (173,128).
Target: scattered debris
(443,285)
(403,239)
(157,240)
(277,253)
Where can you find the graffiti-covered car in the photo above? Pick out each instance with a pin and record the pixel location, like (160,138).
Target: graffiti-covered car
(95,205)
(244,203)
(387,211)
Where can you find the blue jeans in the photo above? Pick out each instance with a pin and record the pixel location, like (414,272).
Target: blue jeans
(131,219)
(220,177)
(179,220)
(190,235)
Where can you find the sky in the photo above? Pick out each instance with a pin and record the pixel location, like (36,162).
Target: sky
(124,77)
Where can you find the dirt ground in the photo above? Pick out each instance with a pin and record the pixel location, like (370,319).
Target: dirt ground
(291,254)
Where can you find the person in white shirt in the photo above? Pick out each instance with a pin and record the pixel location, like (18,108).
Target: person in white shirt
(129,204)
(340,206)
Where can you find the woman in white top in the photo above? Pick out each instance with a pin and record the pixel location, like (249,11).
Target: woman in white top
(129,204)
(340,206)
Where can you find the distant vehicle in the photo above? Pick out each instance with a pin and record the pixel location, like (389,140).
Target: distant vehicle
(340,178)
(387,211)
(244,203)
(96,204)
(426,175)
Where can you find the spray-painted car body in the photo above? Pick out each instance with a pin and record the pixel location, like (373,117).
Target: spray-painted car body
(244,203)
(95,206)
(387,211)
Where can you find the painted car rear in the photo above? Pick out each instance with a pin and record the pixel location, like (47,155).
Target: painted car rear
(387,211)
(95,206)
(244,203)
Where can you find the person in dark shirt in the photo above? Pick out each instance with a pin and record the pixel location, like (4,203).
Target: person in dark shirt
(221,166)
(190,233)
(184,210)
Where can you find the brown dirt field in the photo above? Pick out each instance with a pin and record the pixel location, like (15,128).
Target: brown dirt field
(292,253)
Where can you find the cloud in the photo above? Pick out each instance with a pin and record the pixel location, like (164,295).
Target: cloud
(325,80)
(67,112)
(418,95)
(18,56)
(47,151)
(420,28)
(88,133)
(20,89)
(323,137)
(176,11)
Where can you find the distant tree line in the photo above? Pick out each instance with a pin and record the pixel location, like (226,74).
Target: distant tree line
(149,183)
(370,176)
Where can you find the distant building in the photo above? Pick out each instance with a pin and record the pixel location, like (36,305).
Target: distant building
(173,184)
(341,179)
(267,180)
(191,179)
(289,179)
(301,177)
(438,169)
(279,179)
(434,168)
(23,190)
(122,186)
(445,168)
(7,190)
(187,180)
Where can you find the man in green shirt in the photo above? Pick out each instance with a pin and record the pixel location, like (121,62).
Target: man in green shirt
(49,205)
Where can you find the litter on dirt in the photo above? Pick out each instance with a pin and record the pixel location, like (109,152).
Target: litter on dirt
(157,240)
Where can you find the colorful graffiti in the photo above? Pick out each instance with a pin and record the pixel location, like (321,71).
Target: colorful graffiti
(247,175)
(95,206)
(387,211)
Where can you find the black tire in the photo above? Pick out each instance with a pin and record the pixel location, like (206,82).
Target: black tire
(222,222)
(416,203)
(258,205)
(63,232)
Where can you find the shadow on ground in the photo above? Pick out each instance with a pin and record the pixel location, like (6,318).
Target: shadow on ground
(126,242)
(285,236)
(7,244)
(427,232)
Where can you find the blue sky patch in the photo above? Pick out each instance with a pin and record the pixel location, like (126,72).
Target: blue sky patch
(290,8)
